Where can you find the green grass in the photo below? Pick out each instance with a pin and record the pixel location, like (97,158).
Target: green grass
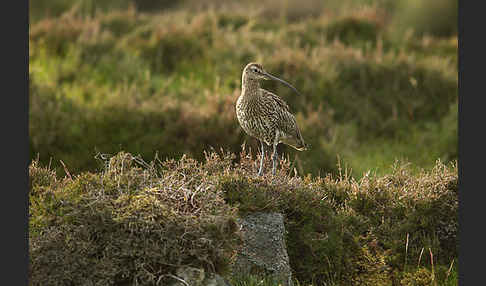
(417,276)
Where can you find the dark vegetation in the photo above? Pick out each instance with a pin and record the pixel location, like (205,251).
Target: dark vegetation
(135,222)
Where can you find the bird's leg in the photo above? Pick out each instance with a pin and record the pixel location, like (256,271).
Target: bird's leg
(260,171)
(274,154)
(274,158)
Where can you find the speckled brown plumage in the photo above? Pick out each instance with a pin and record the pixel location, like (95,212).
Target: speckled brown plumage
(264,115)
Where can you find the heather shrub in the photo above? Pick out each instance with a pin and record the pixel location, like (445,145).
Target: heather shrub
(167,82)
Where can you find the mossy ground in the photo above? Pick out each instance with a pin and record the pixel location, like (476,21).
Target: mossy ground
(136,222)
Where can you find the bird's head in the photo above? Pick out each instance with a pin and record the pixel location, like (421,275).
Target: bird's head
(255,71)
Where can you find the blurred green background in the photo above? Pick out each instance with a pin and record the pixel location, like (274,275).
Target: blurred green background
(379,78)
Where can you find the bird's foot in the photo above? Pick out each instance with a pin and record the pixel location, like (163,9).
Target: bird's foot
(274,167)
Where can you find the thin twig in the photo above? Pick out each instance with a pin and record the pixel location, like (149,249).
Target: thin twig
(66,170)
(432,263)
(450,268)
(406,253)
(174,277)
(420,257)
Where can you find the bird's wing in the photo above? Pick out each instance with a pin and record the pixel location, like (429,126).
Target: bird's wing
(275,98)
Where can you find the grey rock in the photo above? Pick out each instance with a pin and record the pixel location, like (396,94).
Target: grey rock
(215,280)
(263,252)
(190,276)
(264,249)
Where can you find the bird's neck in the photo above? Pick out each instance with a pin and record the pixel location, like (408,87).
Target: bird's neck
(250,87)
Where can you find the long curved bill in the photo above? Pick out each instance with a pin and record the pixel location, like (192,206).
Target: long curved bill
(282,81)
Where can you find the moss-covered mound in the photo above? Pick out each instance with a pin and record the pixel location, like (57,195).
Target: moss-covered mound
(128,225)
(136,222)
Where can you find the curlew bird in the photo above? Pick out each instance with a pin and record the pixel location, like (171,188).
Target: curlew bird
(264,115)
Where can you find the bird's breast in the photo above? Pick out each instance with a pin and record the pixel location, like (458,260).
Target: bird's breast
(254,120)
